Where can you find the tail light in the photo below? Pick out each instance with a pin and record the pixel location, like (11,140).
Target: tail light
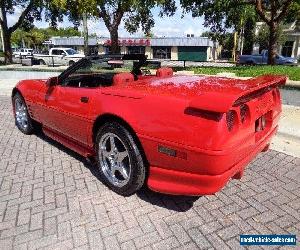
(244,113)
(209,115)
(231,120)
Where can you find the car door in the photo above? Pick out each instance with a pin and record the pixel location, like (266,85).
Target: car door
(56,56)
(67,107)
(70,111)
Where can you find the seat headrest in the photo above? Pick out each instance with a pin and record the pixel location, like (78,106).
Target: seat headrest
(122,78)
(163,72)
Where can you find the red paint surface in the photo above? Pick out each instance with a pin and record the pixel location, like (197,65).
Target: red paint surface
(154,107)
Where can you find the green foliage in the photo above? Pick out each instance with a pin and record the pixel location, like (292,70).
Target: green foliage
(252,71)
(35,37)
(220,15)
(294,13)
(263,35)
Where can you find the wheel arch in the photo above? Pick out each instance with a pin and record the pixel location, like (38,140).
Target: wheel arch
(15,91)
(104,118)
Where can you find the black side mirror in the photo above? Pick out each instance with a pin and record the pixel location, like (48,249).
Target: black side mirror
(52,81)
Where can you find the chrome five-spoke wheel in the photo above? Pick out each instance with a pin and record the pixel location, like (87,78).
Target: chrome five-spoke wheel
(114,159)
(22,118)
(21,113)
(119,159)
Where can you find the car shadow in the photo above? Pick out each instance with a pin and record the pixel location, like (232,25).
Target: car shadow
(179,203)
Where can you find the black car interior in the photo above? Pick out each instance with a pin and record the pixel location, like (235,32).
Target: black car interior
(89,80)
(83,75)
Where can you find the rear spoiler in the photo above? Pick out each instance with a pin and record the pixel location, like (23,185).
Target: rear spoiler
(221,102)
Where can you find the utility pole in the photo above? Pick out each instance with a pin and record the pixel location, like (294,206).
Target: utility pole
(234,46)
(1,39)
(85,34)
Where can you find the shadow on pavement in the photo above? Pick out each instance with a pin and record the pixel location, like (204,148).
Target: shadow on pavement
(177,203)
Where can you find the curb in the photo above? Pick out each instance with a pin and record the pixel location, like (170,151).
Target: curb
(293,84)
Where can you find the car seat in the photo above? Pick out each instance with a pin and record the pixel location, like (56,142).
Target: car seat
(122,78)
(164,72)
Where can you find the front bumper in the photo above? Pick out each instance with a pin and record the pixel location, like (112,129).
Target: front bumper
(183,183)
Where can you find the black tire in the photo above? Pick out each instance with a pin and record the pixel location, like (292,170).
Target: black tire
(42,62)
(28,126)
(71,63)
(137,174)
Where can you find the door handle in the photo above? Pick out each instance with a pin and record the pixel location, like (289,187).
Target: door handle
(84,99)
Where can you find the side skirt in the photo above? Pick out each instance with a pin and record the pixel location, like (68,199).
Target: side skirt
(71,144)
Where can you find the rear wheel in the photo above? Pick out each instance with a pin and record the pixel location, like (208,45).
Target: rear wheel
(119,159)
(71,63)
(22,118)
(42,62)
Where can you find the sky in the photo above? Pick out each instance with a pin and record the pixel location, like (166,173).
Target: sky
(174,26)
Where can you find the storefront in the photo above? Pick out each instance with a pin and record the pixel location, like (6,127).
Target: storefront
(168,48)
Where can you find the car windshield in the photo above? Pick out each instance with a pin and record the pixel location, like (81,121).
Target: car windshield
(99,71)
(71,51)
(115,65)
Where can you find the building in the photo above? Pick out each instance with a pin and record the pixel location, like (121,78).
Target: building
(76,43)
(171,48)
(291,46)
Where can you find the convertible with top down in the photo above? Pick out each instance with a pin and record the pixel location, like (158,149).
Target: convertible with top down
(177,134)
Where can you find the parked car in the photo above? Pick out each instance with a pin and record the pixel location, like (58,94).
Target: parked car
(263,59)
(178,134)
(59,56)
(23,53)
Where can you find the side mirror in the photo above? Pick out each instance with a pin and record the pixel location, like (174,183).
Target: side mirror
(63,54)
(52,81)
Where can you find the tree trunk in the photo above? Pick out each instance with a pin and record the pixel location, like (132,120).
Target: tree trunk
(273,37)
(114,37)
(7,47)
(85,35)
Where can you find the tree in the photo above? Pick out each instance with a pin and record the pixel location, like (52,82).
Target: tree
(220,14)
(134,13)
(35,37)
(264,33)
(30,10)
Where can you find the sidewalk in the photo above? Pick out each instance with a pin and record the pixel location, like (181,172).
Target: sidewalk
(287,139)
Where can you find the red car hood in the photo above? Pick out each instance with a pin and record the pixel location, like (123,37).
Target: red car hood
(216,94)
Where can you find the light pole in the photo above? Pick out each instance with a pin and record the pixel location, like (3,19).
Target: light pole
(85,34)
(1,40)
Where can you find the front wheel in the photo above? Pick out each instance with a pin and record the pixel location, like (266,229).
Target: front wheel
(119,159)
(22,117)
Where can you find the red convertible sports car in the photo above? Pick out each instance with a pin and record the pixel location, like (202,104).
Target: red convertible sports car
(184,135)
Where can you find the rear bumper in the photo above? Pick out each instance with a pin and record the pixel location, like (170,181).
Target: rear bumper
(183,183)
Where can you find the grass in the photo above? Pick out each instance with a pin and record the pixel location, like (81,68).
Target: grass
(291,71)
(50,69)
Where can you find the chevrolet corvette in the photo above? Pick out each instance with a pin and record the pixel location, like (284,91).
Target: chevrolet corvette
(177,134)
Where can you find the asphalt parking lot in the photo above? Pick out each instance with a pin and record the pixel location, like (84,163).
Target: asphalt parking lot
(50,198)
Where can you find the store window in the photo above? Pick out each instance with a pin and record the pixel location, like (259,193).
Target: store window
(287,48)
(162,52)
(136,50)
(108,49)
